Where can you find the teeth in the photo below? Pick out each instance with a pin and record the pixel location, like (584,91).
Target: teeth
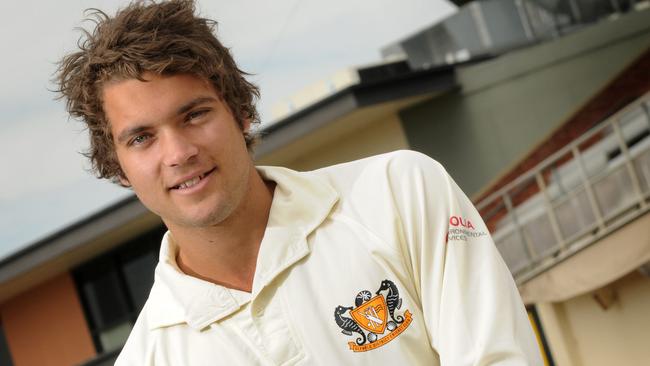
(189,183)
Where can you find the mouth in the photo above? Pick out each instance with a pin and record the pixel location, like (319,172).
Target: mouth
(192,181)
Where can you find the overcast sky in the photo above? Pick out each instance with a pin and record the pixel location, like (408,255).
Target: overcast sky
(287,44)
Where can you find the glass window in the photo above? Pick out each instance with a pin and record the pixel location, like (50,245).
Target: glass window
(5,356)
(138,273)
(114,287)
(104,296)
(114,337)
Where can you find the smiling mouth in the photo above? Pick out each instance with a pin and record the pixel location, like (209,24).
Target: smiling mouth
(192,182)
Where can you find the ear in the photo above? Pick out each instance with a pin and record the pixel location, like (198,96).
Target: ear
(246,125)
(124,182)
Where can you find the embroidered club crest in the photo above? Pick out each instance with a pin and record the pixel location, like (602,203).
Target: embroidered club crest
(374,315)
(371,315)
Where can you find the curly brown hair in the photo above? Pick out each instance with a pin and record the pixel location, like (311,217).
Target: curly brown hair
(165,38)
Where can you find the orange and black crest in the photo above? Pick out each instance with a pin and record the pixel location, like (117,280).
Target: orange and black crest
(373,318)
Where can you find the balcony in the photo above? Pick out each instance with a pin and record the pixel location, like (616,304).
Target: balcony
(580,194)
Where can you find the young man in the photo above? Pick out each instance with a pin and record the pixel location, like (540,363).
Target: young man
(361,263)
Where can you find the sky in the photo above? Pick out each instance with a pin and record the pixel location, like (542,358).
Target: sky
(286,44)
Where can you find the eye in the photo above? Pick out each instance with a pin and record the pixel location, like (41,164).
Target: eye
(196,114)
(139,140)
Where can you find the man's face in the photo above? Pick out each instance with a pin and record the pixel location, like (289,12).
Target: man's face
(179,147)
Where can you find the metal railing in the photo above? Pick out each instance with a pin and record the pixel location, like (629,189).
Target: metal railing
(591,187)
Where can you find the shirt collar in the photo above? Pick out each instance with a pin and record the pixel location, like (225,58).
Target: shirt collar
(301,202)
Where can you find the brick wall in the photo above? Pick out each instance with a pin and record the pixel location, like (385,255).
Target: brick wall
(629,85)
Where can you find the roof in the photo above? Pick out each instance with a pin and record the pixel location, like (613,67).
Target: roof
(378,85)
(73,245)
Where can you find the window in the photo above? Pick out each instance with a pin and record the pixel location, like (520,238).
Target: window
(5,356)
(114,287)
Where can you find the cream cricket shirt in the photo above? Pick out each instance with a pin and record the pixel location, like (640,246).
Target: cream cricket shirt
(381,261)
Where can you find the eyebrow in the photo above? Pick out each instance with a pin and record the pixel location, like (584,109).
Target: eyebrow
(193,103)
(124,135)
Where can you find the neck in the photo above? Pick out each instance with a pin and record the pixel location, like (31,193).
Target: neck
(226,253)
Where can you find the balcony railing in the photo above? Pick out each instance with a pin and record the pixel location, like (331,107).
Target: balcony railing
(586,190)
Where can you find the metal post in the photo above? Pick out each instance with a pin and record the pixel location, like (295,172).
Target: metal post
(646,110)
(483,32)
(530,251)
(575,11)
(590,191)
(628,163)
(550,211)
(525,19)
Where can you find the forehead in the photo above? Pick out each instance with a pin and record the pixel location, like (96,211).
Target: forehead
(155,96)
(156,86)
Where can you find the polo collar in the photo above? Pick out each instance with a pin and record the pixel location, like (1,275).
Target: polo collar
(301,202)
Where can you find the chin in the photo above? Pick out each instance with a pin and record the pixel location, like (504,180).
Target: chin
(203,219)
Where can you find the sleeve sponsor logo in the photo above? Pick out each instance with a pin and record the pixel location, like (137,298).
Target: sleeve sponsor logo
(369,318)
(462,229)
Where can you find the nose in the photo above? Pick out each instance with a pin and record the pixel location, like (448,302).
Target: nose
(178,149)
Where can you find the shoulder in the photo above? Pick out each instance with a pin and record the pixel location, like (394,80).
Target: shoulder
(384,193)
(398,158)
(393,168)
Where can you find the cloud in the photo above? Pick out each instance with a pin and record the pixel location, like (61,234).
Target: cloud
(40,152)
(291,44)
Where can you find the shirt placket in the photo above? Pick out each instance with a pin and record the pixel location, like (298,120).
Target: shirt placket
(270,327)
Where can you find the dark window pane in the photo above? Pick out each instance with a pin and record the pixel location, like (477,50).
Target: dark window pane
(105,299)
(138,273)
(115,337)
(5,356)
(114,286)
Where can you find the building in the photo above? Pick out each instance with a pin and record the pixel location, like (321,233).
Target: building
(540,113)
